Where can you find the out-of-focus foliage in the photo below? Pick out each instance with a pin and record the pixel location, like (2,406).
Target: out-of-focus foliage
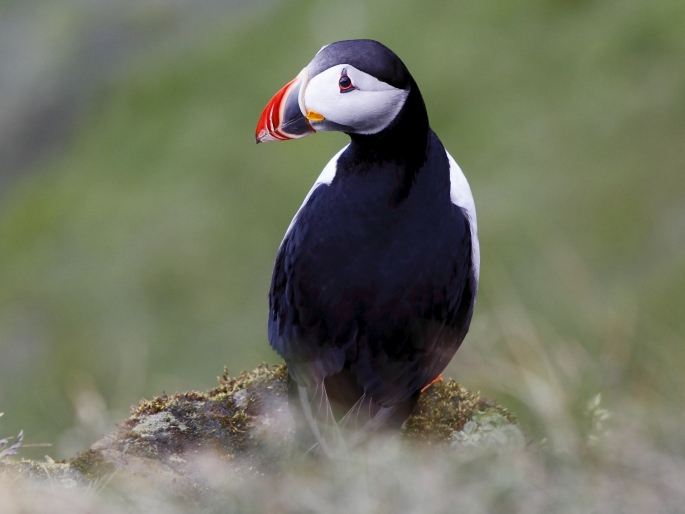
(7,449)
(230,450)
(137,260)
(624,473)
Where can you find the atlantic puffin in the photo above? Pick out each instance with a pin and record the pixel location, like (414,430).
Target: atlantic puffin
(376,278)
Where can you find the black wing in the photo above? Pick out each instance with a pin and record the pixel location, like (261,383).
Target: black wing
(298,324)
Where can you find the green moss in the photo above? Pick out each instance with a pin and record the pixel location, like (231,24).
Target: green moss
(92,464)
(58,473)
(262,378)
(444,408)
(218,420)
(223,417)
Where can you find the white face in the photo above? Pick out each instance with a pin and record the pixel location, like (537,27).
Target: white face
(361,103)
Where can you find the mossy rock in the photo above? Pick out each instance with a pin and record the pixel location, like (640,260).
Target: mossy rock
(245,425)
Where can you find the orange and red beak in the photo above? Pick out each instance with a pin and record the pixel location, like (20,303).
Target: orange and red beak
(285,116)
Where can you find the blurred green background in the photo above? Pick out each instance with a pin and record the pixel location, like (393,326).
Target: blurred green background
(139,221)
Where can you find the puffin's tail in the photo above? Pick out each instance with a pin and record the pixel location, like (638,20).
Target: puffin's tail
(325,425)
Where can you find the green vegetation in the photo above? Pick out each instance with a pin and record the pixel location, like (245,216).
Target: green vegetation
(7,449)
(138,260)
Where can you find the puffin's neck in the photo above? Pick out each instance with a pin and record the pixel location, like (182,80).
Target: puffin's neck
(405,139)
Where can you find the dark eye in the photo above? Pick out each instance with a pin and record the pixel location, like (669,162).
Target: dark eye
(345,82)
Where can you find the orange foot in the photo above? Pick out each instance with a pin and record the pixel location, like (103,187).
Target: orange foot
(439,377)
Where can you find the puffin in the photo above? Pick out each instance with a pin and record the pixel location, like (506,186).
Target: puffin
(375,281)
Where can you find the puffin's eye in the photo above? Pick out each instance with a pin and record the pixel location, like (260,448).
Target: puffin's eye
(345,82)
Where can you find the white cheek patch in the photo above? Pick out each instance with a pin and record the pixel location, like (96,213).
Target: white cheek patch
(460,194)
(368,109)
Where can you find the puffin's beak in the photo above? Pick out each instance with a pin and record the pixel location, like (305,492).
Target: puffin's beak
(285,116)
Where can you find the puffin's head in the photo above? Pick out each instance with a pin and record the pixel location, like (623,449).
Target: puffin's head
(357,86)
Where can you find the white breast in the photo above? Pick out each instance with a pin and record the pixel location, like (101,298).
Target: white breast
(460,193)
